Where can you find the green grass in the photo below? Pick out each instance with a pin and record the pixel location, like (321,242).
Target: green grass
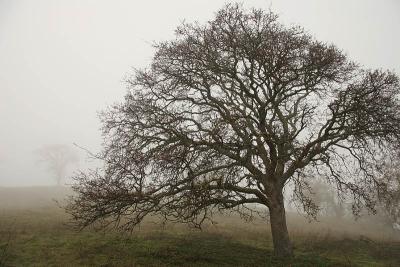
(38,236)
(151,249)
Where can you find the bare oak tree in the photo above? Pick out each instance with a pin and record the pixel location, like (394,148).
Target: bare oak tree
(231,112)
(58,158)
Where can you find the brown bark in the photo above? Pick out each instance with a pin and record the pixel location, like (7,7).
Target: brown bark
(280,234)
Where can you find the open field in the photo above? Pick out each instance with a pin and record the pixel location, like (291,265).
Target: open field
(33,233)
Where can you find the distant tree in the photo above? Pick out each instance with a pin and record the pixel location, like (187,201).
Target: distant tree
(323,196)
(389,194)
(58,158)
(227,115)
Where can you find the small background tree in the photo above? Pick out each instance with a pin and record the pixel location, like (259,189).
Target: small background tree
(228,115)
(325,198)
(57,158)
(389,195)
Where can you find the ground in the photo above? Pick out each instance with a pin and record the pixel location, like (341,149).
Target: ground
(34,232)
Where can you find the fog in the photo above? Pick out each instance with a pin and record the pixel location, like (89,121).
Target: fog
(63,61)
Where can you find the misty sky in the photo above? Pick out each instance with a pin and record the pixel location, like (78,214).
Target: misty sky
(63,61)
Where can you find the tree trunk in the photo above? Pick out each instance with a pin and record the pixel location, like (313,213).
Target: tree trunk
(280,235)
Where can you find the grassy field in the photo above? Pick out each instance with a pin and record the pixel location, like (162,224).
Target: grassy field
(33,232)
